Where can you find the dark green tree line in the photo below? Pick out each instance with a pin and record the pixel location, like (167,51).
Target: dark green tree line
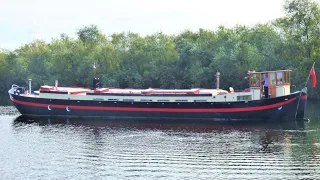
(186,60)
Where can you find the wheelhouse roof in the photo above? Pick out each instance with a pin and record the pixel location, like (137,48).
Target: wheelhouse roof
(264,72)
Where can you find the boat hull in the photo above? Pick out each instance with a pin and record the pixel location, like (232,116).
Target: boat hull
(275,109)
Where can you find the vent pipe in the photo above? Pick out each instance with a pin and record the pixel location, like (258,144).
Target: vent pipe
(56,85)
(30,86)
(218,79)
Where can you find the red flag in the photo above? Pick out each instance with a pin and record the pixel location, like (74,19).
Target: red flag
(314,78)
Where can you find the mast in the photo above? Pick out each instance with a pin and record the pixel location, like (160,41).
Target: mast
(94,70)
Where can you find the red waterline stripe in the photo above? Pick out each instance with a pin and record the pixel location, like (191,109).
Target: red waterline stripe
(258,108)
(304,97)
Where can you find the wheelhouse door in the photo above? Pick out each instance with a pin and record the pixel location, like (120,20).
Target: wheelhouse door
(272,84)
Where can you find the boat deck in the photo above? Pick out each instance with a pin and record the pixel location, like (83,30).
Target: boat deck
(85,91)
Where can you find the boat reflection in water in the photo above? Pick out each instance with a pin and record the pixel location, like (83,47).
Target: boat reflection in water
(266,137)
(145,124)
(259,137)
(279,149)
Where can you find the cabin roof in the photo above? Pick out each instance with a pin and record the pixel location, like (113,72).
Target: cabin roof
(264,72)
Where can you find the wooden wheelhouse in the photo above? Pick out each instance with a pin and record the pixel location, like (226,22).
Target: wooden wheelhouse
(278,82)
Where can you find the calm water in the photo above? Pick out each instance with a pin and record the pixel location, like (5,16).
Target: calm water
(92,149)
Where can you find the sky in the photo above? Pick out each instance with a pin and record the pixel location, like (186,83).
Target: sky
(22,21)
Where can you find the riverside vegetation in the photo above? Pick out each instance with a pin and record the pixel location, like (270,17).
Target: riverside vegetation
(185,60)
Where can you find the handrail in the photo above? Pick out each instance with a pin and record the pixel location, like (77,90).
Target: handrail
(14,86)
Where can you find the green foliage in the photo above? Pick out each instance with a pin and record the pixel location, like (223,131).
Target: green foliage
(187,60)
(300,30)
(90,35)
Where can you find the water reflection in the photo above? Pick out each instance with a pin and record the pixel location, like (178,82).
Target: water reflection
(124,149)
(158,125)
(269,136)
(313,110)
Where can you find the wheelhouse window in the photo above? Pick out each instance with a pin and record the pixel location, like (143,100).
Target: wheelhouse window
(254,80)
(272,78)
(279,78)
(286,77)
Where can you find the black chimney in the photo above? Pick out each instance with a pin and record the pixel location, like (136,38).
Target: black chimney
(96,83)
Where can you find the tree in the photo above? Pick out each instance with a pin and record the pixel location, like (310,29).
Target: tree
(90,34)
(300,29)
